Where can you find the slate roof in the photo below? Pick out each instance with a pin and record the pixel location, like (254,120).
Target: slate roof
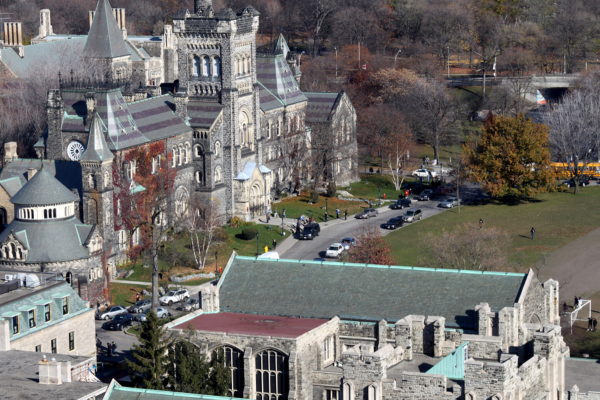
(203,114)
(41,239)
(125,124)
(278,85)
(105,39)
(97,149)
(67,172)
(315,289)
(320,106)
(43,189)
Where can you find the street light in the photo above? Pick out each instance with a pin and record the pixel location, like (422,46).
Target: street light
(216,262)
(282,232)
(326,212)
(257,253)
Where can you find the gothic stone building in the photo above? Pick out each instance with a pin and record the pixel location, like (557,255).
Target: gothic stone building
(371,332)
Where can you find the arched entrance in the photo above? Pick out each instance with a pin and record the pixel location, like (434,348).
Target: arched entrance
(257,200)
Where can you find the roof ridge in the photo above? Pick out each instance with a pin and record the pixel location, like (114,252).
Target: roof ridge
(273,94)
(149,98)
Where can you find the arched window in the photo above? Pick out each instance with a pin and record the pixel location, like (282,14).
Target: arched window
(199,176)
(218,175)
(13,251)
(174,156)
(180,155)
(205,66)
(69,278)
(92,181)
(216,67)
(196,67)
(271,375)
(45,213)
(217,149)
(187,153)
(269,130)
(278,128)
(54,212)
(20,253)
(234,359)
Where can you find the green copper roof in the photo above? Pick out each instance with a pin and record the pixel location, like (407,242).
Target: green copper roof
(43,189)
(453,365)
(97,149)
(118,392)
(316,289)
(105,39)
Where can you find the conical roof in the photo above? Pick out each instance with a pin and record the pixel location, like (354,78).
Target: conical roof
(97,149)
(43,189)
(105,39)
(281,46)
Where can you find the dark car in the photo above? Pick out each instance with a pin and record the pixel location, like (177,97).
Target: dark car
(426,195)
(393,223)
(401,203)
(367,213)
(583,182)
(119,322)
(310,231)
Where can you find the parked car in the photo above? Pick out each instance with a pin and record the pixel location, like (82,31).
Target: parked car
(426,195)
(348,243)
(174,296)
(119,322)
(335,250)
(141,306)
(424,173)
(367,213)
(190,305)
(582,182)
(160,313)
(111,312)
(412,215)
(401,203)
(450,202)
(393,223)
(310,231)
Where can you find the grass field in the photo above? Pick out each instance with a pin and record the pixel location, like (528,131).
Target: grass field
(558,218)
(299,205)
(123,294)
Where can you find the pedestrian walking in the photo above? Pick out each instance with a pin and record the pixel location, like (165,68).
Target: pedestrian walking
(575,303)
(337,213)
(312,219)
(108,349)
(532,233)
(98,344)
(480,224)
(268,217)
(345,215)
(595,324)
(283,213)
(371,170)
(98,306)
(137,297)
(590,324)
(274,244)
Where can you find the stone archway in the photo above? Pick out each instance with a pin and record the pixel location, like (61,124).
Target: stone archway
(245,128)
(257,199)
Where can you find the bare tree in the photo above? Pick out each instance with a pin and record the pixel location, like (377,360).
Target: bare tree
(487,39)
(291,150)
(460,174)
(575,131)
(469,247)
(371,248)
(319,10)
(203,223)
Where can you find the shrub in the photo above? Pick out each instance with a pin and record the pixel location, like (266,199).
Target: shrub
(314,196)
(331,189)
(236,222)
(249,233)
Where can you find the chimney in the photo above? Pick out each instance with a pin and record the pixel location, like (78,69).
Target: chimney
(168,38)
(119,14)
(90,103)
(45,24)
(50,372)
(13,37)
(10,151)
(91,17)
(4,335)
(31,173)
(65,370)
(181,102)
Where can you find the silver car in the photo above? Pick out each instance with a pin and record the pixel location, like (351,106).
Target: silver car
(160,313)
(141,306)
(190,305)
(412,215)
(451,202)
(111,312)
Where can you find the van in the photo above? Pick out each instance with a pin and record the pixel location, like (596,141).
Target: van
(310,231)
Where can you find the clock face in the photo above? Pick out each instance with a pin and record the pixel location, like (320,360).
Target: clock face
(75,150)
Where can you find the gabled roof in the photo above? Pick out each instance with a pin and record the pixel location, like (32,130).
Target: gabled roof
(97,149)
(11,185)
(43,189)
(105,39)
(203,114)
(316,289)
(321,105)
(277,81)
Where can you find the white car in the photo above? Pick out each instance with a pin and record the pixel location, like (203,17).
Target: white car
(335,250)
(424,173)
(451,202)
(174,296)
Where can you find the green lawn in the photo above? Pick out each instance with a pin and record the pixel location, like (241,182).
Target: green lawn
(248,247)
(123,294)
(296,206)
(368,186)
(558,219)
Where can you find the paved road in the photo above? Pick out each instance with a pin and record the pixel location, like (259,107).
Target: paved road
(334,231)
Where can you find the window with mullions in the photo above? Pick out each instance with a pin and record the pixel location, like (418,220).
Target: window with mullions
(234,359)
(65,304)
(71,341)
(15,325)
(53,346)
(31,318)
(271,375)
(332,394)
(38,348)
(47,313)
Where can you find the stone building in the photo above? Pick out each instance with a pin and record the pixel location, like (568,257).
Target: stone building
(41,312)
(326,330)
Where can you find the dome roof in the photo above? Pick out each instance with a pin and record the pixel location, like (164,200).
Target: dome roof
(43,189)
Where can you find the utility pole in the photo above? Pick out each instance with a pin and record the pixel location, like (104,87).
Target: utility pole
(448,61)
(336,69)
(359,66)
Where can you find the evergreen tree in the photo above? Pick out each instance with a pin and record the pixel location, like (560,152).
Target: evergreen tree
(149,368)
(220,374)
(189,371)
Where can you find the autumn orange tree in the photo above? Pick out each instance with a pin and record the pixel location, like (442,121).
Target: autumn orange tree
(370,247)
(511,159)
(143,185)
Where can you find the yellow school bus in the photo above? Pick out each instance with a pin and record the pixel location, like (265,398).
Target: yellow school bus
(564,170)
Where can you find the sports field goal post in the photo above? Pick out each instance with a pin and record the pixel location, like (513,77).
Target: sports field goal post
(573,314)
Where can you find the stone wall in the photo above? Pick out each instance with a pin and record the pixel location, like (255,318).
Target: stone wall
(486,379)
(533,378)
(416,386)
(534,305)
(485,347)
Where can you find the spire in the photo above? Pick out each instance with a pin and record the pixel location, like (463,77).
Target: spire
(281,46)
(97,149)
(105,39)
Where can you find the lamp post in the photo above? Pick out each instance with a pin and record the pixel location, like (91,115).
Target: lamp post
(257,253)
(379,188)
(216,262)
(282,231)
(336,68)
(326,212)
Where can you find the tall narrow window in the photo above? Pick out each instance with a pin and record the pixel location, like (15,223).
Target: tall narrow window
(180,156)
(15,325)
(31,318)
(174,156)
(47,313)
(234,359)
(45,213)
(187,153)
(65,305)
(271,375)
(269,130)
(217,149)
(38,348)
(196,67)
(278,128)
(53,346)
(216,67)
(205,66)
(71,341)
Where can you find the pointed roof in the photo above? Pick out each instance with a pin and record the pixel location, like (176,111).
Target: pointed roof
(281,46)
(105,39)
(43,189)
(97,149)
